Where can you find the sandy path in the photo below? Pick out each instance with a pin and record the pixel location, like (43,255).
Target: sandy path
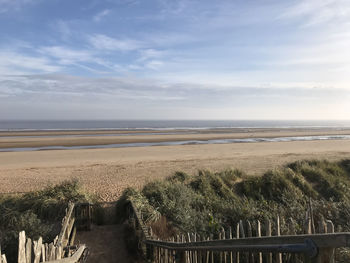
(108,172)
(105,243)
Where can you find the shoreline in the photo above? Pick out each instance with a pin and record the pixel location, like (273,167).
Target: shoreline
(174,143)
(61,132)
(72,139)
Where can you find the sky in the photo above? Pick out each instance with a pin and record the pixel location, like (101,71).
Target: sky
(174,59)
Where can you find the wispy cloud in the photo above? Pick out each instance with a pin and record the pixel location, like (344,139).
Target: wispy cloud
(15,63)
(146,54)
(318,12)
(66,55)
(95,95)
(101,15)
(104,42)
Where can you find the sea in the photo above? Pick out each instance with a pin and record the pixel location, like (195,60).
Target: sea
(34,125)
(174,125)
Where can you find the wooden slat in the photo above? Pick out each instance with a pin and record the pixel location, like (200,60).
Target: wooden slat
(250,257)
(37,249)
(43,253)
(22,247)
(330,229)
(29,251)
(65,224)
(278,233)
(73,259)
(237,236)
(59,252)
(268,231)
(258,234)
(230,237)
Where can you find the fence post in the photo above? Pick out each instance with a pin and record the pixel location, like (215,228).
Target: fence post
(29,251)
(268,233)
(22,247)
(230,237)
(250,234)
(237,236)
(37,249)
(258,232)
(330,229)
(278,232)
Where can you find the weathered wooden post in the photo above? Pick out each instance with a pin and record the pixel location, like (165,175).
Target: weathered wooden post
(21,247)
(268,234)
(258,233)
(237,236)
(29,251)
(278,232)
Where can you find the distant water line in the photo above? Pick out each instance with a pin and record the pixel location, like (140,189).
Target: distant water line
(7,125)
(185,142)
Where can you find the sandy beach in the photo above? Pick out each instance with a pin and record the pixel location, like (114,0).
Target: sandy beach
(107,172)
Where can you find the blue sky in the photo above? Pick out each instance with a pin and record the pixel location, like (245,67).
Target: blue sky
(174,59)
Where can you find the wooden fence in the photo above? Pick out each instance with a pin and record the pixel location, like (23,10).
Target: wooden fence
(60,250)
(246,242)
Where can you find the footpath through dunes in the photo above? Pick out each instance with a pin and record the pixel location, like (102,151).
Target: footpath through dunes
(105,243)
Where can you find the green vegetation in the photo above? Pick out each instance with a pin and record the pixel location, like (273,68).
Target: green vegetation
(208,201)
(38,213)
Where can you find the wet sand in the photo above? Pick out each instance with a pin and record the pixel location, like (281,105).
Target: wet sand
(107,172)
(72,138)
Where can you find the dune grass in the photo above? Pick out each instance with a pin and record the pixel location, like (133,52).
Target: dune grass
(38,213)
(205,202)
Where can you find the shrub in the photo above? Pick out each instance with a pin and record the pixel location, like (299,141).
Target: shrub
(37,213)
(208,201)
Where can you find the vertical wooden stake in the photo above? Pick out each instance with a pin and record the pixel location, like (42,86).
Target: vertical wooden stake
(43,254)
(268,233)
(308,226)
(278,232)
(208,254)
(230,237)
(29,251)
(241,229)
(258,233)
(21,247)
(37,249)
(223,237)
(250,234)
(311,216)
(237,236)
(211,253)
(220,253)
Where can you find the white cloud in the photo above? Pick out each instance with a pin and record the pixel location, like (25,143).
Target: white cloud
(44,96)
(319,11)
(154,64)
(100,15)
(68,56)
(15,63)
(146,54)
(104,42)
